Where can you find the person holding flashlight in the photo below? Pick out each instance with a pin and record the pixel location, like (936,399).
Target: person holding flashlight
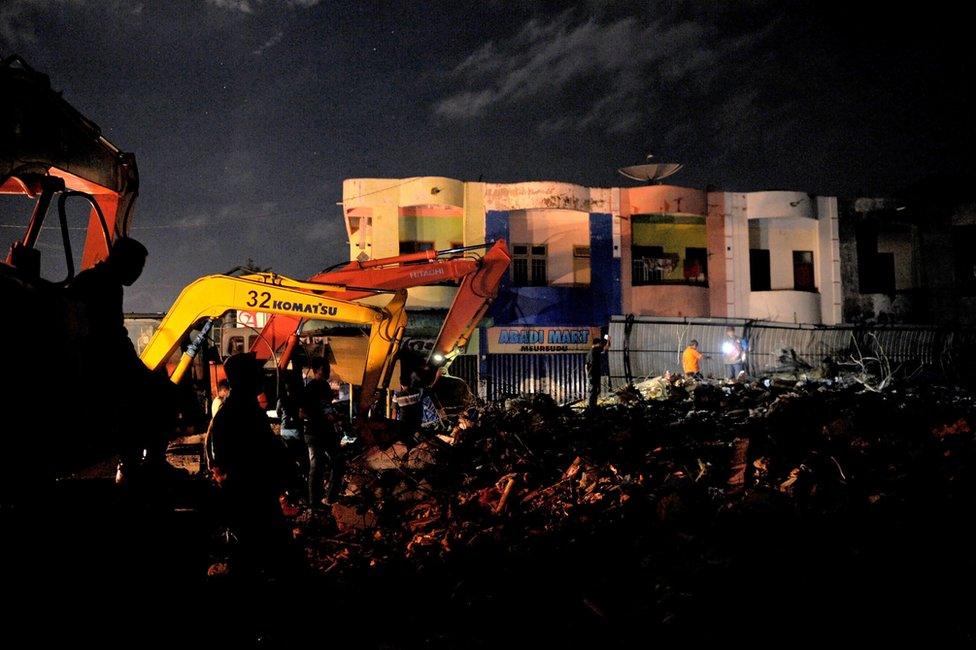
(734,353)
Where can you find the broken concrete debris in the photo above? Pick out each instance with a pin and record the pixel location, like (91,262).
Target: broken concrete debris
(671,475)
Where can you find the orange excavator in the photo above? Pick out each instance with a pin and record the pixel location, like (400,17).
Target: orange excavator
(51,155)
(479,275)
(49,150)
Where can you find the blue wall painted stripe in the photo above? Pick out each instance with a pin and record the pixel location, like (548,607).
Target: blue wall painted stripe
(604,283)
(553,306)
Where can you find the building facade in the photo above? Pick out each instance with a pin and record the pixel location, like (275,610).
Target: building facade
(581,255)
(880,262)
(760,255)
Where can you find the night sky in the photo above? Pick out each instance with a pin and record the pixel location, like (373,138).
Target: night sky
(246,115)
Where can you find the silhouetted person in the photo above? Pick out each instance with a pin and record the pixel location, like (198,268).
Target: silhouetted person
(290,390)
(415,376)
(594,369)
(246,461)
(99,290)
(321,434)
(139,405)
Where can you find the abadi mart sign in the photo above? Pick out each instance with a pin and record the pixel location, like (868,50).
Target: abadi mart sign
(541,340)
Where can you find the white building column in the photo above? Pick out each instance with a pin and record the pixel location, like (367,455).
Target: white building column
(736,255)
(828,280)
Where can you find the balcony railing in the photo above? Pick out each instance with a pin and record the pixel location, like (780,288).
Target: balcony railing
(660,270)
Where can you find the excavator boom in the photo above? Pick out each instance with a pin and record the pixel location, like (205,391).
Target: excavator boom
(212,296)
(480,277)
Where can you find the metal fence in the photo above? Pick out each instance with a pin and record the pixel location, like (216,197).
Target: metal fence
(647,347)
(465,367)
(562,376)
(811,345)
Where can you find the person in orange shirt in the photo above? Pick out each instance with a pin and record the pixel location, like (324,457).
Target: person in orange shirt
(691,360)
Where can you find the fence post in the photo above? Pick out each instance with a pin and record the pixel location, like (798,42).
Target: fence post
(628,328)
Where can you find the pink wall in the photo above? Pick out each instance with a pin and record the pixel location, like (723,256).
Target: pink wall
(673,300)
(667,300)
(662,199)
(717,275)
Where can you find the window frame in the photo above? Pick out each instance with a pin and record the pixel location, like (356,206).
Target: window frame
(753,252)
(798,265)
(703,256)
(528,258)
(582,253)
(641,275)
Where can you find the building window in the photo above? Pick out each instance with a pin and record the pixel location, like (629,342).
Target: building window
(669,249)
(529,265)
(877,275)
(407,247)
(759,277)
(696,265)
(235,344)
(581,265)
(651,265)
(356,223)
(885,278)
(803,271)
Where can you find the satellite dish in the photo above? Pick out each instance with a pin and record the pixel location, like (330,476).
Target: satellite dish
(650,172)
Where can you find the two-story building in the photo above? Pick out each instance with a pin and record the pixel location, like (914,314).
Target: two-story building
(581,255)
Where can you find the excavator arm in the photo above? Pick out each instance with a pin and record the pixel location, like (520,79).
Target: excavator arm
(476,293)
(480,278)
(51,151)
(211,296)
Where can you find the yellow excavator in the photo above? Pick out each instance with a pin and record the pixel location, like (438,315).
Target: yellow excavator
(208,298)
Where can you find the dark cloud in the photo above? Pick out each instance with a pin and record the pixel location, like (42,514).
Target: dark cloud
(251,6)
(245,6)
(19,20)
(548,59)
(667,77)
(246,115)
(268,44)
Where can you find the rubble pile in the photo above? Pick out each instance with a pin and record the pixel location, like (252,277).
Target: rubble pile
(679,505)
